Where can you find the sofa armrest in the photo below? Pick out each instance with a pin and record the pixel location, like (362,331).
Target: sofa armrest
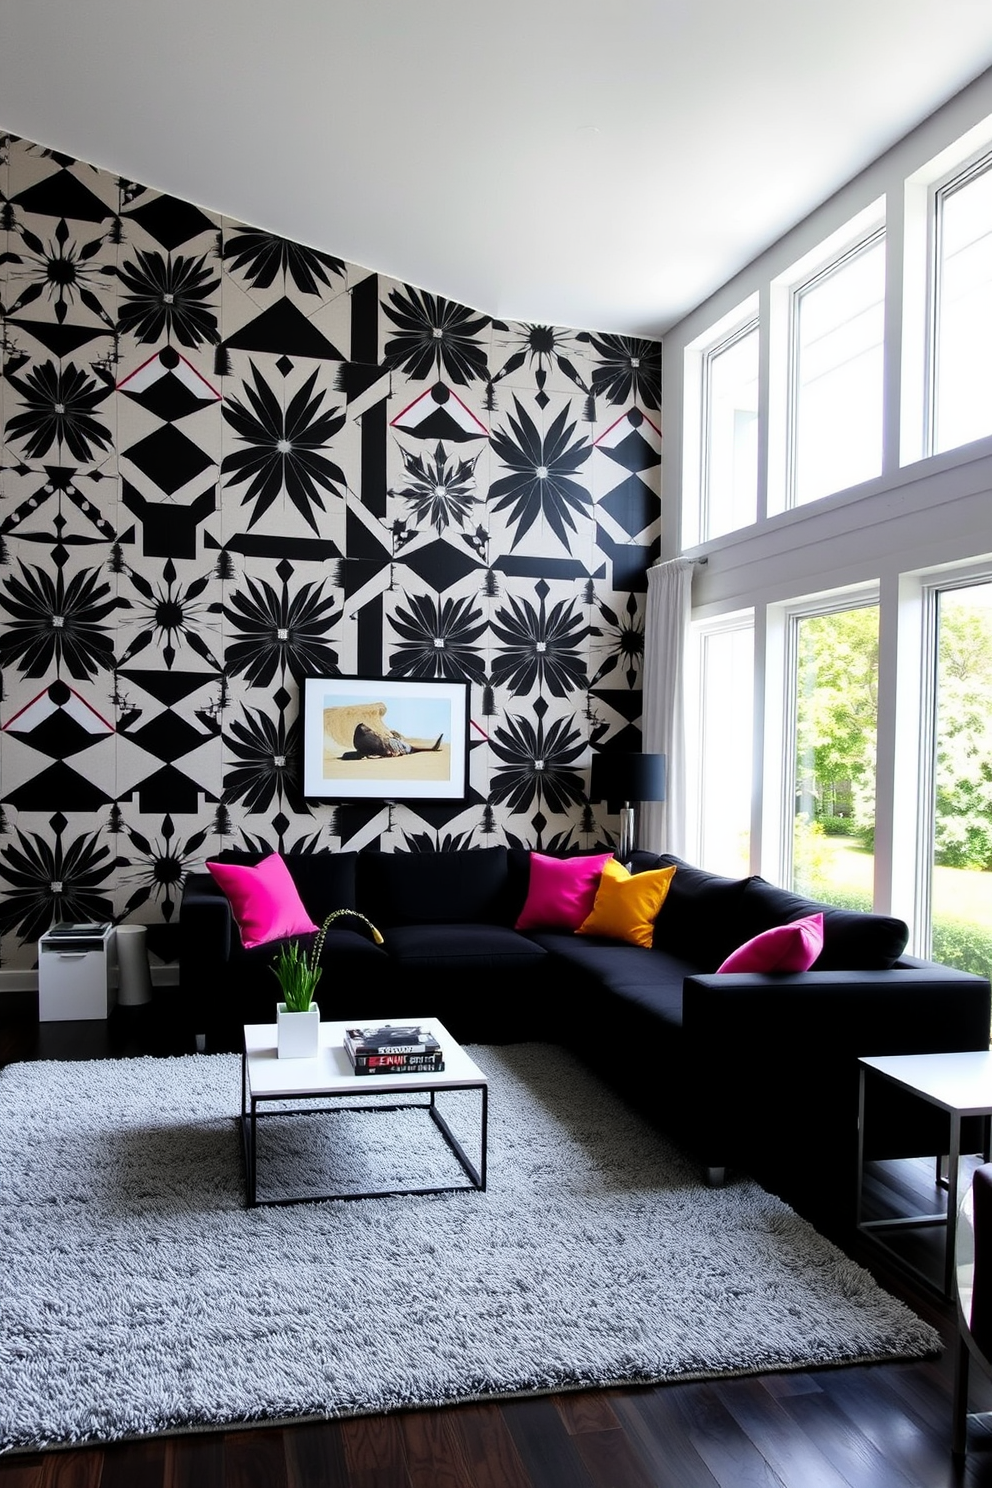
(923,1008)
(778,1058)
(205,924)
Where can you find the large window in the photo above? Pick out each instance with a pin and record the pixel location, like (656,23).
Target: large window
(822,429)
(961,388)
(835,720)
(961,864)
(730,433)
(865,571)
(836,374)
(719,756)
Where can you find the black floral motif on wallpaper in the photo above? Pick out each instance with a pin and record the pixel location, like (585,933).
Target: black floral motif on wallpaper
(629,369)
(54,879)
(261,256)
(166,297)
(624,642)
(280,631)
(59,404)
(435,336)
(160,866)
(175,615)
(539,347)
(440,639)
(540,649)
(538,763)
(283,448)
(441,489)
(61,270)
(542,474)
(52,623)
(267,750)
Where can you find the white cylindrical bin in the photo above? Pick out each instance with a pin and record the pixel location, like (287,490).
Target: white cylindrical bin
(135,986)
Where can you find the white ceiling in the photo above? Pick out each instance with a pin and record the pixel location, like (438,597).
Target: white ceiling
(591,163)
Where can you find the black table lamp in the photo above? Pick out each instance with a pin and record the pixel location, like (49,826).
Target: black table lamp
(623,780)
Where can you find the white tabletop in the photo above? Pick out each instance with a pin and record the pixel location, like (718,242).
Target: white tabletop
(956,1082)
(331,1072)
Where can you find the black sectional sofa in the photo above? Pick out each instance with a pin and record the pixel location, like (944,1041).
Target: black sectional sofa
(746,1070)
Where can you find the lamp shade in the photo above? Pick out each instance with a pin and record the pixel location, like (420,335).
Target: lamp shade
(617,778)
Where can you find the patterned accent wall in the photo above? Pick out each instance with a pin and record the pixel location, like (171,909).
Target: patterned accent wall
(229,461)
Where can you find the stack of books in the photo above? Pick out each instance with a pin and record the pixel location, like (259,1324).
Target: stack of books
(392,1049)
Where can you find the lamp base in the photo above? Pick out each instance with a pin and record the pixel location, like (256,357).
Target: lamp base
(626,849)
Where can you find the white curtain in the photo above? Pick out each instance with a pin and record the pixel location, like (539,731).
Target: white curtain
(662,824)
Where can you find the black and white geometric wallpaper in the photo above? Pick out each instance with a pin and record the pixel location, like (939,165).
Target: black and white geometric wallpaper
(229,461)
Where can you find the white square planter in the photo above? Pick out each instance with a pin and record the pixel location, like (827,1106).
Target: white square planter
(297,1033)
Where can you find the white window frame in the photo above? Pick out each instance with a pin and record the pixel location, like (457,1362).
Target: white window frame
(931,587)
(831,253)
(828,271)
(747,328)
(697,361)
(918,311)
(782,709)
(978,164)
(700,632)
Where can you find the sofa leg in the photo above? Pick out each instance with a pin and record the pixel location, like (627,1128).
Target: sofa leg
(716,1177)
(201,1043)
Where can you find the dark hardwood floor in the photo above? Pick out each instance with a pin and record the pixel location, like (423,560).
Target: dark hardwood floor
(878,1426)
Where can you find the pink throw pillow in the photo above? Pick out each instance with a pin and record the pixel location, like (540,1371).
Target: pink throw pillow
(264,900)
(783,948)
(562,891)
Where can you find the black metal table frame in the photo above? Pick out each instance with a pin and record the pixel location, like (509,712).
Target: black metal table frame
(250,1117)
(947,1219)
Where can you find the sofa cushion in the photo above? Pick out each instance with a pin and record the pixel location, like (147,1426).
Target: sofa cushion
(264,900)
(467,948)
(561,891)
(434,888)
(627,904)
(792,947)
(625,981)
(700,921)
(852,941)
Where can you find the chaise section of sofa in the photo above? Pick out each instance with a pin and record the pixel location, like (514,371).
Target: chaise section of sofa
(776,1062)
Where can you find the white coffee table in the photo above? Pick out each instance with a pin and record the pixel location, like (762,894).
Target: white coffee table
(330,1078)
(961,1085)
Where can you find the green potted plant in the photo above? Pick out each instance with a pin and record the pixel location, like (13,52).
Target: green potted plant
(297,972)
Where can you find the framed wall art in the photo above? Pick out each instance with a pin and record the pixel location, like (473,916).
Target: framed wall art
(384,739)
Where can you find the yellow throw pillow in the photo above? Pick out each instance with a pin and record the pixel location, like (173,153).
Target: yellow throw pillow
(627,903)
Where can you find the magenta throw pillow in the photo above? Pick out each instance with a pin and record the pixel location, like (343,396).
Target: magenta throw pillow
(264,900)
(562,891)
(783,948)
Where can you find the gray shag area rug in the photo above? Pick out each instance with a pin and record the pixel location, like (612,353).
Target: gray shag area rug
(139,1295)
